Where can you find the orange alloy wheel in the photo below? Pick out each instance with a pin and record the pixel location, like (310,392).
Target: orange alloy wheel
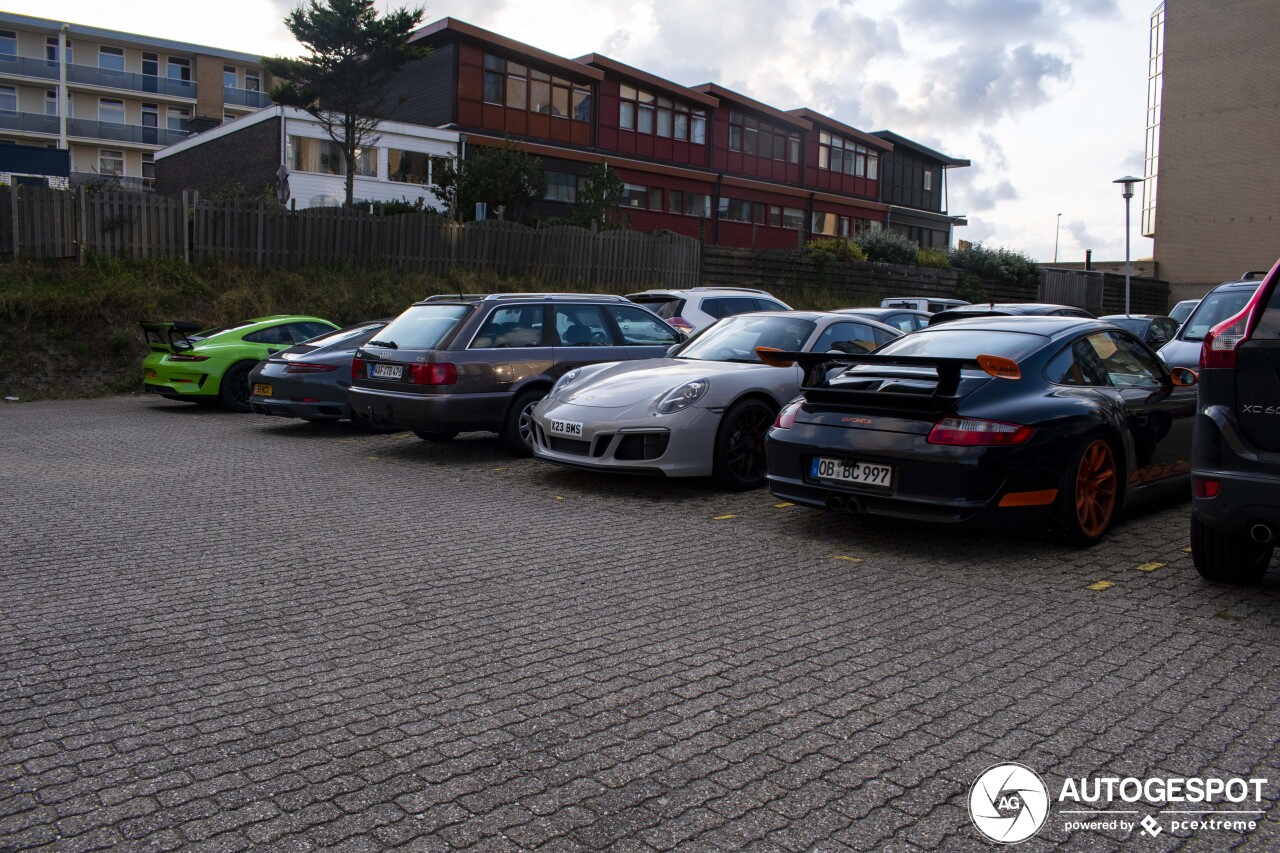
(1096,489)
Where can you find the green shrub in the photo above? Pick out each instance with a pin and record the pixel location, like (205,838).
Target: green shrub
(840,247)
(932,258)
(887,247)
(970,289)
(997,264)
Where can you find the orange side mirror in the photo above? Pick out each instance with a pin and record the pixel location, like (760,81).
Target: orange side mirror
(1184,377)
(767,355)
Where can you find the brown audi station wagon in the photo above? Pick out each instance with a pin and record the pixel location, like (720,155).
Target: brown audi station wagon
(452,364)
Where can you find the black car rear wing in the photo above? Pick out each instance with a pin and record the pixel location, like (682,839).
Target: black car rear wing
(169,337)
(817,388)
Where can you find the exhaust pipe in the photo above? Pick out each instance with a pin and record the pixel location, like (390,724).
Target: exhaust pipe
(1261,533)
(836,504)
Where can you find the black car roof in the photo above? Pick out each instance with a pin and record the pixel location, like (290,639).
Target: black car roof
(1035,324)
(880,312)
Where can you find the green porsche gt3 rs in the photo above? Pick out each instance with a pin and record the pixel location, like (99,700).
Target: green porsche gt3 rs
(212,366)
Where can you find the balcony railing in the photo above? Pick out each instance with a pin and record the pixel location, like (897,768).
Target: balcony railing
(123,182)
(28,66)
(110,131)
(244,97)
(91,75)
(28,122)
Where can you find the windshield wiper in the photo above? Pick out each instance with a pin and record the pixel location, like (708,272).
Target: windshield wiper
(385,344)
(1193,340)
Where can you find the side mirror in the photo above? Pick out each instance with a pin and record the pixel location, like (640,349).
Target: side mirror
(671,350)
(1184,377)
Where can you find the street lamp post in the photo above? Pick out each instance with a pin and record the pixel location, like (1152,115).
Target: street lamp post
(1127,191)
(1056,226)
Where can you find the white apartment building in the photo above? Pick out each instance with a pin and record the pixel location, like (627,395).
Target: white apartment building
(113,98)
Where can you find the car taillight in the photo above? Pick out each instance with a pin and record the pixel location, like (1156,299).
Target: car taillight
(179,357)
(357,369)
(1205,487)
(433,374)
(971,432)
(310,368)
(1222,341)
(681,324)
(787,417)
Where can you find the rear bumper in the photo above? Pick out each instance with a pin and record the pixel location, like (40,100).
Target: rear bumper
(1248,478)
(949,485)
(430,412)
(308,411)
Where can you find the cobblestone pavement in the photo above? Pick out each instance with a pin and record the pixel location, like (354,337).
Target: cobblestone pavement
(226,632)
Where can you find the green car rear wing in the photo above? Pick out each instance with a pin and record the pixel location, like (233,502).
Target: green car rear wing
(169,337)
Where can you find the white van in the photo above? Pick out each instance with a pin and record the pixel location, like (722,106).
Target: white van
(932,304)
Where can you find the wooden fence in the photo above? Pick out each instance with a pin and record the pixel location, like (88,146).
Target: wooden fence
(37,222)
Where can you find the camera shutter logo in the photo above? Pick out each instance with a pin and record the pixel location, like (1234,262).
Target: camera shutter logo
(1009,803)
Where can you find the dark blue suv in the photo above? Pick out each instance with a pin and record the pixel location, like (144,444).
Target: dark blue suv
(1235,453)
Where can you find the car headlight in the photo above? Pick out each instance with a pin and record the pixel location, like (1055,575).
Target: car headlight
(684,396)
(565,381)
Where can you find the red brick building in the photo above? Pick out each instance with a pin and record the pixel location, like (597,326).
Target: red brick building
(703,161)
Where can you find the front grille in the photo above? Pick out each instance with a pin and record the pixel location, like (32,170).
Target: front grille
(600,444)
(642,446)
(568,445)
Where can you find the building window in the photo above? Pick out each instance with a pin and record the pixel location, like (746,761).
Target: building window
(324,156)
(178,118)
(51,50)
(148,169)
(150,65)
(252,83)
(8,43)
(735,210)
(51,102)
(759,138)
(229,77)
(635,195)
(837,154)
(111,58)
(666,117)
(697,204)
(562,186)
(412,167)
(179,69)
(8,100)
(110,162)
(928,180)
(150,115)
(110,111)
(792,217)
(520,87)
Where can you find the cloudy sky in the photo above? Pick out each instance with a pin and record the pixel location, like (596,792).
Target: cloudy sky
(1045,97)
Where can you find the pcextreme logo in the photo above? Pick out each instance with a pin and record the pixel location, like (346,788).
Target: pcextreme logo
(1010,802)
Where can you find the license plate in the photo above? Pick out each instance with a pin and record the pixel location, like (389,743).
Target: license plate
(386,371)
(566,428)
(845,471)
(260,390)
(151,374)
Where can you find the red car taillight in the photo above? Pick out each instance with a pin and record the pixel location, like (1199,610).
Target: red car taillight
(1223,340)
(787,417)
(1205,487)
(971,432)
(180,357)
(357,369)
(433,374)
(310,368)
(681,324)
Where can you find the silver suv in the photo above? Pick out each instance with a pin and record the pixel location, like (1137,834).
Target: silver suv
(694,309)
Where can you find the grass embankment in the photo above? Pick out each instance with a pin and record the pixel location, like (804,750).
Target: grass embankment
(72,331)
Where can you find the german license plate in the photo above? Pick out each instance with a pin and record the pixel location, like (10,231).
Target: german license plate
(845,471)
(567,428)
(260,390)
(386,371)
(151,374)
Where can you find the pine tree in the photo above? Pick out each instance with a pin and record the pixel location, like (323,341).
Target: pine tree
(345,81)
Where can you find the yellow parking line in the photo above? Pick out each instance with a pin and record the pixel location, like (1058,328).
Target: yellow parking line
(783,505)
(1100,585)
(846,558)
(724,517)
(1150,567)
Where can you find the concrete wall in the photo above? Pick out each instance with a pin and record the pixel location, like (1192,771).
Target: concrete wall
(1218,206)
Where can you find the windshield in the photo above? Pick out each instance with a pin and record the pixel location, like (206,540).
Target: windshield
(1213,309)
(422,326)
(218,330)
(1183,309)
(963,343)
(736,338)
(665,307)
(1134,325)
(348,335)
